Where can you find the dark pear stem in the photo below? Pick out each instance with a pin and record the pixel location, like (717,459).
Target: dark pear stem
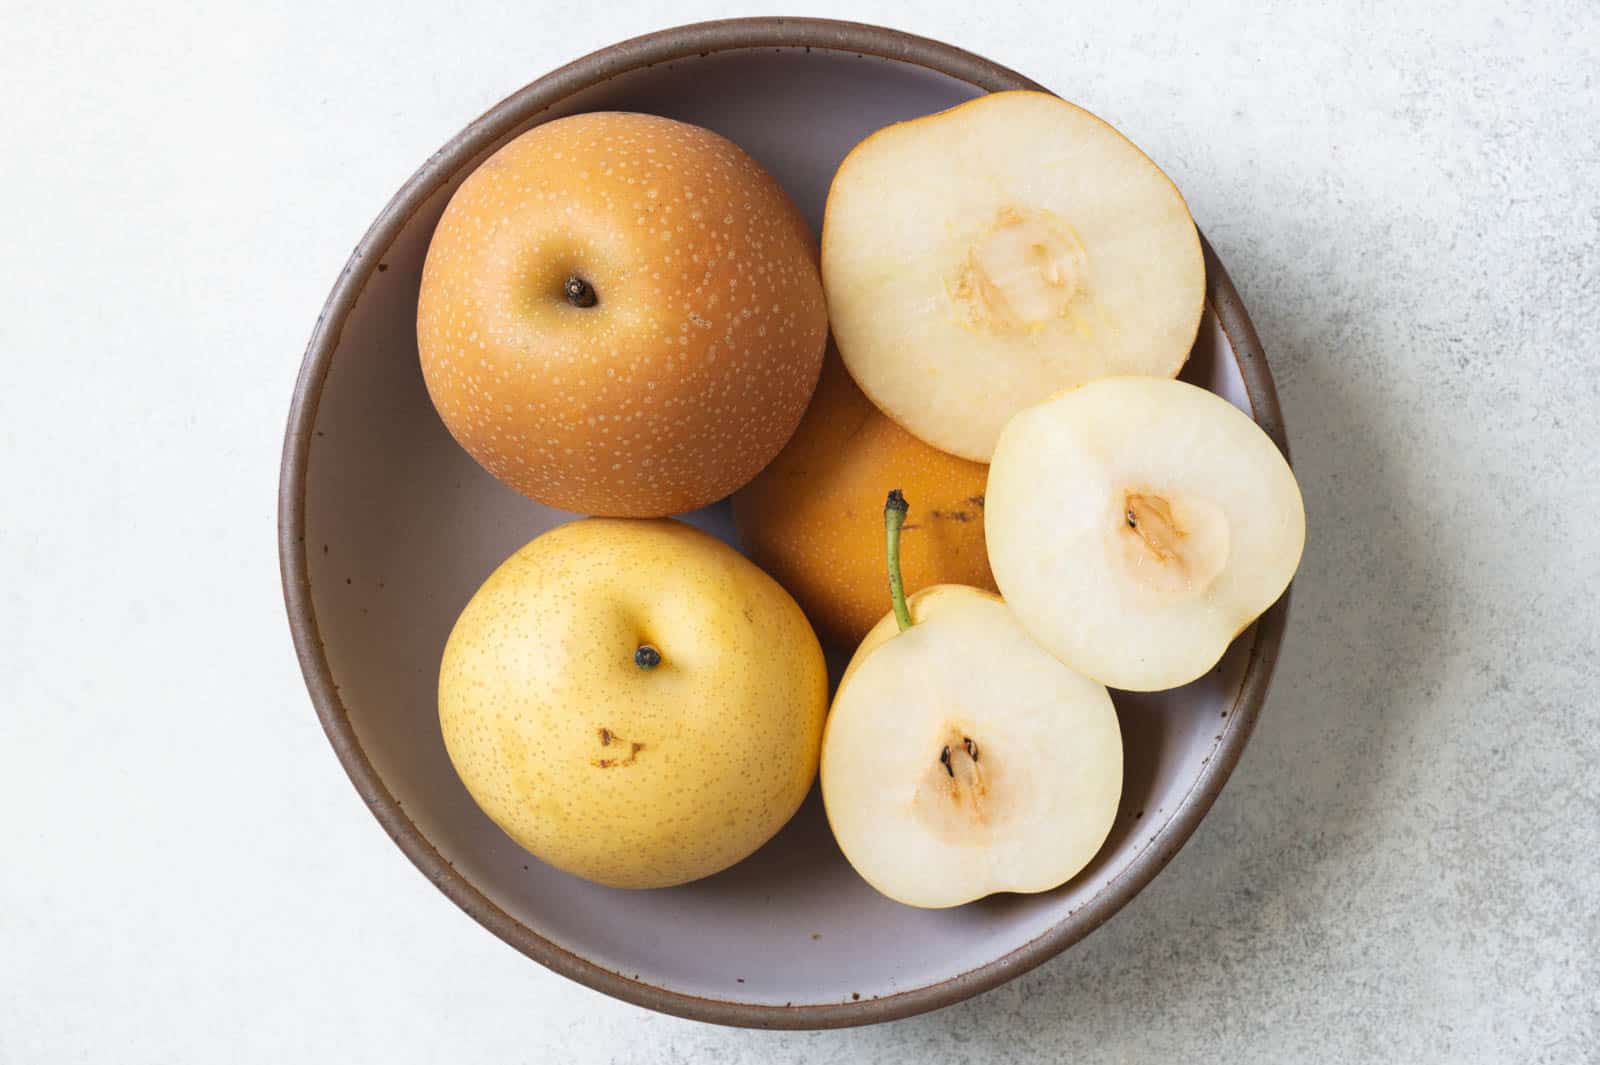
(646,657)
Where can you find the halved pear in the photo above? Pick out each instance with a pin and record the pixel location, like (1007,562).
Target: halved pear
(1136,525)
(979,260)
(961,759)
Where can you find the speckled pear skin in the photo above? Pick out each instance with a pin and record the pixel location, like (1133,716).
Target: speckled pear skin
(695,361)
(814,517)
(626,776)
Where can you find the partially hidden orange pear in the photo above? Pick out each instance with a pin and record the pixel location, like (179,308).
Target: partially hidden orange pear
(814,517)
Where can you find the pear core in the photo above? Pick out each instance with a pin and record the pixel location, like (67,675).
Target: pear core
(980,260)
(955,799)
(1172,545)
(1027,270)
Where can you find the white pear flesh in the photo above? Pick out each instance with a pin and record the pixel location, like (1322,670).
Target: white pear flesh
(1029,788)
(982,259)
(1137,525)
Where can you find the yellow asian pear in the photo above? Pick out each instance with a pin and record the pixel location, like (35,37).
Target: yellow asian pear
(634,702)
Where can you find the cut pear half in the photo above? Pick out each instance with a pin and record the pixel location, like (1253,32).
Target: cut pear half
(979,260)
(960,759)
(1136,525)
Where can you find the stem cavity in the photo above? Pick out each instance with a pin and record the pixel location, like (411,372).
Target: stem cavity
(579,292)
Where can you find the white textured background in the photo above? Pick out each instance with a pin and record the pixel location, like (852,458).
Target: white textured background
(1406,866)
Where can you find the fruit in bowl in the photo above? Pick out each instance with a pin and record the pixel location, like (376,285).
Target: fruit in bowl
(633,701)
(398,504)
(621,314)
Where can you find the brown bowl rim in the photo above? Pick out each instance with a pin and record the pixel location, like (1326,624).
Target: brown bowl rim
(682,42)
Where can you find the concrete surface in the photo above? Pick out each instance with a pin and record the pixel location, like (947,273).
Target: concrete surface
(1406,866)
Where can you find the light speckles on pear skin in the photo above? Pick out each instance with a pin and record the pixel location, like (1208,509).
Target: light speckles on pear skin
(696,361)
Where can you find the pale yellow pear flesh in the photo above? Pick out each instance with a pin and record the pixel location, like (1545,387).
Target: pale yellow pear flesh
(979,260)
(625,776)
(961,760)
(1137,525)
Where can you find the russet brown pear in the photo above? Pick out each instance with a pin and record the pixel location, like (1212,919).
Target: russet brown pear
(622,315)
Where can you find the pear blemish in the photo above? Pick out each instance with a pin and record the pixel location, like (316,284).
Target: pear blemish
(608,738)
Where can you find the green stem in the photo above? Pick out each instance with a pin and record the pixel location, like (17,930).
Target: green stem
(894,516)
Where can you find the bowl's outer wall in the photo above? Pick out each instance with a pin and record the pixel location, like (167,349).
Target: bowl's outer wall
(387,528)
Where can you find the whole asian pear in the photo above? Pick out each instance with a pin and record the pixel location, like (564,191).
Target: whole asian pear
(634,702)
(621,314)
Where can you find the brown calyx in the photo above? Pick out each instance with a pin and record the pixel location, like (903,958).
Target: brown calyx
(579,292)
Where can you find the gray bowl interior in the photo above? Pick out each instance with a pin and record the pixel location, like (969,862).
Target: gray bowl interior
(401,526)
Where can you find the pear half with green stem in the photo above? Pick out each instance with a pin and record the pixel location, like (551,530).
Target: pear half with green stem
(1137,525)
(960,759)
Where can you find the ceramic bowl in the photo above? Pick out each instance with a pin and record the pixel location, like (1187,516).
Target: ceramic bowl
(387,527)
